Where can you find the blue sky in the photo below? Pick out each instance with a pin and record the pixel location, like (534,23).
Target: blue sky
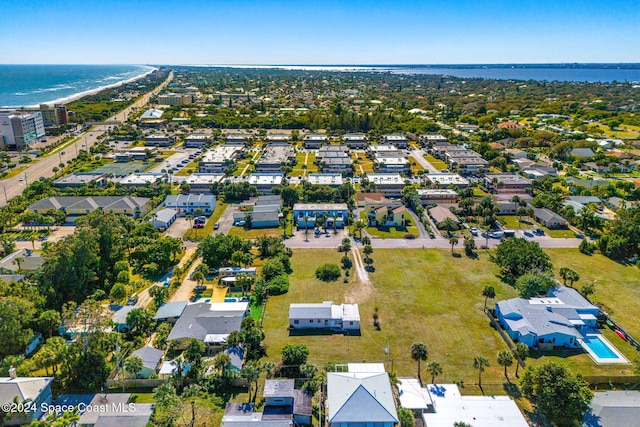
(318,32)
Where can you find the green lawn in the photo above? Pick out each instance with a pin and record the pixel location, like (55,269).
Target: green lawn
(14,172)
(432,297)
(364,165)
(391,232)
(422,295)
(479,192)
(436,163)
(253,233)
(511,222)
(299,170)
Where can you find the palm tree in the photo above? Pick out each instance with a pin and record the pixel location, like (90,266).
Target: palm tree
(480,362)
(505,358)
(434,369)
(366,240)
(419,353)
(198,277)
(251,372)
(568,274)
(488,292)
(453,241)
(520,352)
(448,225)
(190,219)
(17,261)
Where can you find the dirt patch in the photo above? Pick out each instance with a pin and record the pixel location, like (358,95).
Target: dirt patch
(362,289)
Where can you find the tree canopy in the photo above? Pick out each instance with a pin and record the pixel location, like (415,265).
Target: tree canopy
(518,256)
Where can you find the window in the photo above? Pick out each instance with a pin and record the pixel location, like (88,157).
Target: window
(296,322)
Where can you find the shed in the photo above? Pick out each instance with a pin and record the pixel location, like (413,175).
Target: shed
(164,218)
(151,359)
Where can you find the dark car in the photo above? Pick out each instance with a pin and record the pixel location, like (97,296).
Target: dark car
(133,300)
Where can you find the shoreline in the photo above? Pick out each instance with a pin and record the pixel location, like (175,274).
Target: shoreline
(68,99)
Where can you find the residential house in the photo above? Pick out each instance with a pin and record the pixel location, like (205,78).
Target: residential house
(78,179)
(439,214)
(236,139)
(163,218)
(510,125)
(507,183)
(613,408)
(391,184)
(274,139)
(582,153)
(274,157)
(375,200)
(266,212)
(450,407)
(355,141)
(76,206)
(330,179)
(446,180)
(264,182)
(159,140)
(152,114)
(340,165)
(170,312)
(151,360)
(281,398)
(432,139)
(396,139)
(587,183)
(549,218)
(361,396)
(144,179)
(394,215)
(335,214)
(199,183)
(31,260)
(314,140)
(467,163)
(21,389)
(186,204)
(210,323)
(284,406)
(517,153)
(436,196)
(119,317)
(385,164)
(335,317)
(414,397)
(558,320)
(218,159)
(116,409)
(196,140)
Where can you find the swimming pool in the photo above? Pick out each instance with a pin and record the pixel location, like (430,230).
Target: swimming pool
(599,347)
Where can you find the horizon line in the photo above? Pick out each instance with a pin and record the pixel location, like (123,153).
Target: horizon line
(335,64)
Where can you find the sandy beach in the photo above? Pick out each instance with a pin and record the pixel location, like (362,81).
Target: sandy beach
(79,95)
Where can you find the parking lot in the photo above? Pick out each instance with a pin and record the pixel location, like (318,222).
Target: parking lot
(178,228)
(176,161)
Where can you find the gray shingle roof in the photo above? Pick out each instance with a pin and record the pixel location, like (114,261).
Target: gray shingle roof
(150,356)
(198,320)
(93,202)
(614,409)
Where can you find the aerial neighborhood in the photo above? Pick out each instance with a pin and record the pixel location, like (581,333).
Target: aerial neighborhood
(266,248)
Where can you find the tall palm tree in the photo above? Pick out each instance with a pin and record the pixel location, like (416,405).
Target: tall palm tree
(190,219)
(419,353)
(505,358)
(480,362)
(568,274)
(306,227)
(434,369)
(453,240)
(520,352)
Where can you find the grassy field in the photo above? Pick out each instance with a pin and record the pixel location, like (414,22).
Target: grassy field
(422,295)
(253,233)
(305,159)
(189,168)
(511,222)
(208,226)
(364,165)
(436,163)
(432,297)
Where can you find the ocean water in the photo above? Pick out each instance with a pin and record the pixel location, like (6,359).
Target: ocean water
(28,85)
(605,73)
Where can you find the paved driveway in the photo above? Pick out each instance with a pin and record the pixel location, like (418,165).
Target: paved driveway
(178,228)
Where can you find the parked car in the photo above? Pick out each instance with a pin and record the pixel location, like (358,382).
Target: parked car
(474,231)
(133,300)
(216,225)
(241,223)
(528,234)
(539,231)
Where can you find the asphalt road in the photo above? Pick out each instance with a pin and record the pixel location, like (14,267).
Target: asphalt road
(43,167)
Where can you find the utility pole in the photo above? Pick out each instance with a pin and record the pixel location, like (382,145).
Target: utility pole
(6,200)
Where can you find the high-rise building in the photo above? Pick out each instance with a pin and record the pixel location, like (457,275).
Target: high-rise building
(18,129)
(54,116)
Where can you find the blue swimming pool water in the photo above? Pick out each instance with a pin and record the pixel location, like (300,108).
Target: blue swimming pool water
(602,350)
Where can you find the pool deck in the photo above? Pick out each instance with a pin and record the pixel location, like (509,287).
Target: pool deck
(620,359)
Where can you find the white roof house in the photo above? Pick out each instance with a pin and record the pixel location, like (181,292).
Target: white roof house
(478,411)
(326,315)
(413,396)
